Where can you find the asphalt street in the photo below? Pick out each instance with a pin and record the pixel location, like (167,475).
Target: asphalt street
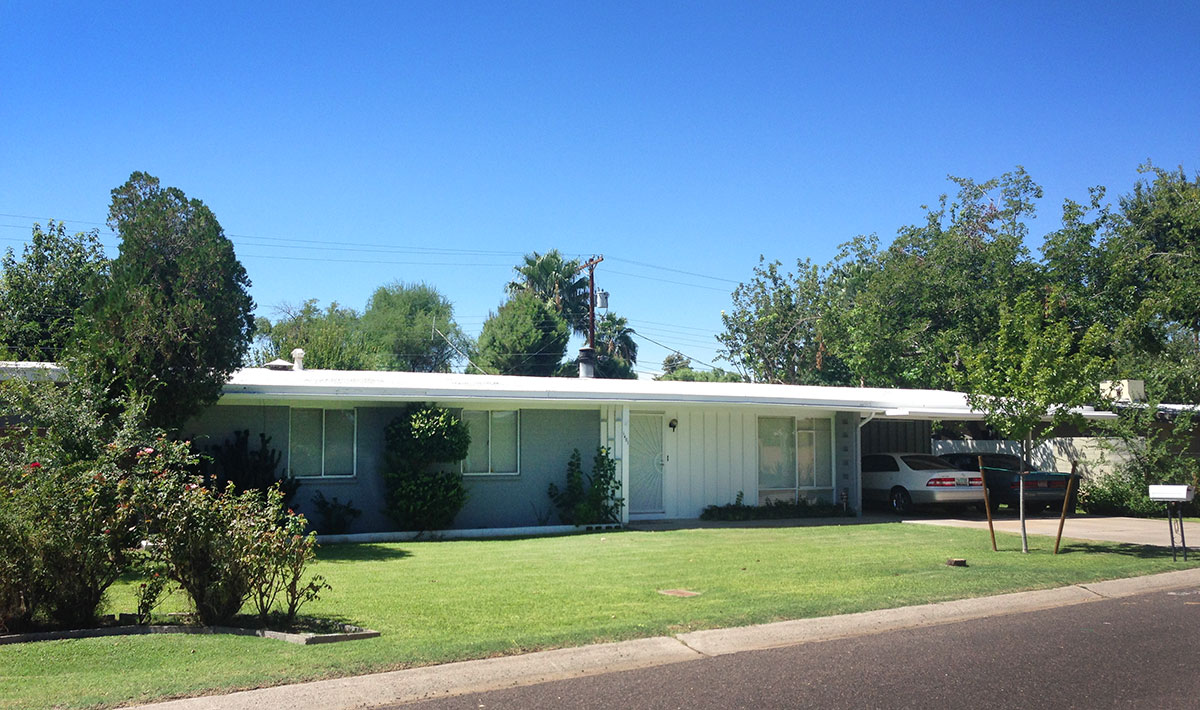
(1132,652)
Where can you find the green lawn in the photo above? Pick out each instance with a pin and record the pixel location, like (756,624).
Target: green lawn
(444,601)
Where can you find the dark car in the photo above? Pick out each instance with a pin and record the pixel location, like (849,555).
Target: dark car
(1043,489)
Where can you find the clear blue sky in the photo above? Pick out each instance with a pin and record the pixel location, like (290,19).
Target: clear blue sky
(439,141)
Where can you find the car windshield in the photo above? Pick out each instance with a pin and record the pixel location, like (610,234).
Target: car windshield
(925,462)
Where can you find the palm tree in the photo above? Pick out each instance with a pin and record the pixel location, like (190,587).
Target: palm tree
(558,282)
(614,339)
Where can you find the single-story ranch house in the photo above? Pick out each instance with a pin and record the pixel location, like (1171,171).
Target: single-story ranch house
(679,446)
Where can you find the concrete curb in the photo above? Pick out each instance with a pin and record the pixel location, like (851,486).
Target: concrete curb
(406,686)
(396,687)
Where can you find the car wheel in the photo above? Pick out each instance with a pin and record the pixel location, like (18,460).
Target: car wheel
(900,501)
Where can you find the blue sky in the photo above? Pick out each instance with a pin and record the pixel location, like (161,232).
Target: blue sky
(345,146)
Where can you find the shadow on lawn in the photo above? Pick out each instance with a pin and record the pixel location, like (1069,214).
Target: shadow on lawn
(360,552)
(1143,552)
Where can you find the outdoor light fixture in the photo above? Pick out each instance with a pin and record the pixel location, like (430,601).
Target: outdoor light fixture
(673,423)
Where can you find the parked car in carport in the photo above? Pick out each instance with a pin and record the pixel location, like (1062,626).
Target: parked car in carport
(905,480)
(1043,489)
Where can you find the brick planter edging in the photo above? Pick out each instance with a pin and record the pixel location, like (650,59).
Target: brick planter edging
(348,633)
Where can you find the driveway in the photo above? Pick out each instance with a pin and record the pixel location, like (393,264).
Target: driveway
(1134,531)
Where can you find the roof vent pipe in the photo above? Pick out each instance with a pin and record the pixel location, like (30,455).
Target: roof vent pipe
(298,358)
(587,362)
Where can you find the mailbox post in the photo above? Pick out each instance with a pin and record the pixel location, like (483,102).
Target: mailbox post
(1173,496)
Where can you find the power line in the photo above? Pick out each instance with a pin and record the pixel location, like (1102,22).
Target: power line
(678,271)
(674,325)
(677,352)
(364,261)
(666,281)
(379,248)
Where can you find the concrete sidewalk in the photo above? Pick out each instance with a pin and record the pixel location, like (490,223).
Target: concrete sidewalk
(1132,531)
(383,689)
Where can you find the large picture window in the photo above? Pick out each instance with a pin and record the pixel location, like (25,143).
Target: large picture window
(795,457)
(494,442)
(321,443)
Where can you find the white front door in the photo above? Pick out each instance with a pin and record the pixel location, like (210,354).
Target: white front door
(646,461)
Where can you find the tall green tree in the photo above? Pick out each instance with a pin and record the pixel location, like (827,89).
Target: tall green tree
(41,293)
(675,361)
(524,337)
(899,314)
(558,282)
(1151,261)
(176,318)
(774,331)
(411,327)
(332,338)
(1037,369)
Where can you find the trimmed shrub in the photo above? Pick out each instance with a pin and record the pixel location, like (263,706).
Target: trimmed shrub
(421,493)
(774,510)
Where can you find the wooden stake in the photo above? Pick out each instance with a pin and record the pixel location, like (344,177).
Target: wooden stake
(1066,501)
(987,504)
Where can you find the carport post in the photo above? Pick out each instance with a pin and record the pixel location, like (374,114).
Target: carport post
(987,504)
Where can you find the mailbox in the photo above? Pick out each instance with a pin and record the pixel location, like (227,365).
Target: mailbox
(1172,494)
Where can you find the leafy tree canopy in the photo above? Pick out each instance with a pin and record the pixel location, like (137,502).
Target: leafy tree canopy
(1124,280)
(176,318)
(1035,366)
(524,337)
(331,338)
(41,293)
(687,374)
(774,332)
(675,361)
(411,327)
(896,316)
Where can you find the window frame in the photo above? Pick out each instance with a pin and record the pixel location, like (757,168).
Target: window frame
(322,476)
(516,443)
(815,435)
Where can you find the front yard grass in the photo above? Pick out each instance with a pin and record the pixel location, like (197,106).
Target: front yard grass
(446,601)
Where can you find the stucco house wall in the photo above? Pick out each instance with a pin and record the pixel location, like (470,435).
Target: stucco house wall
(547,438)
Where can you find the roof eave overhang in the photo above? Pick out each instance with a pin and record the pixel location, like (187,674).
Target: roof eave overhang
(235,394)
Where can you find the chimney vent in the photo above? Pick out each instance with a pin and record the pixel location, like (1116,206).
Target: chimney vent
(298,357)
(587,362)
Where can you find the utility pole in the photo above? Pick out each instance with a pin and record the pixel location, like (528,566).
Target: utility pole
(587,355)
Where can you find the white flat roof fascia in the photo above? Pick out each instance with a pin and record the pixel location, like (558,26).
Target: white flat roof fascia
(31,370)
(258,384)
(368,395)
